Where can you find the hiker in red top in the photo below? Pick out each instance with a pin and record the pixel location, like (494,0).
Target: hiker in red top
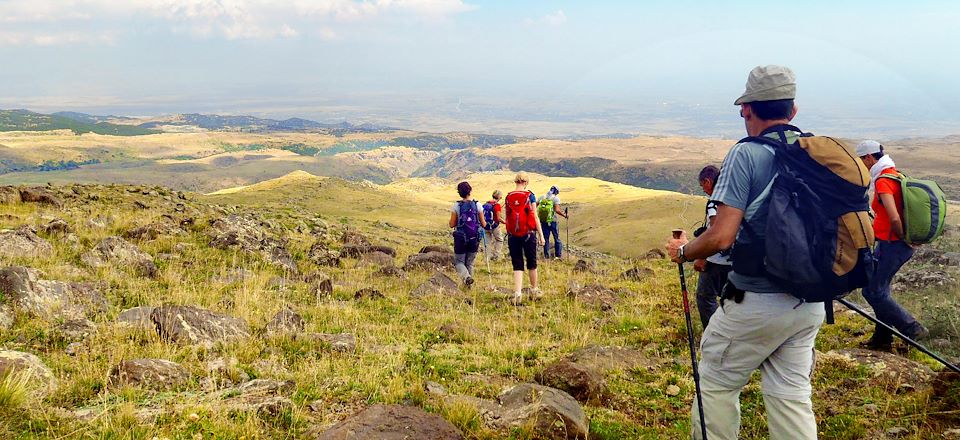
(891,250)
(526,236)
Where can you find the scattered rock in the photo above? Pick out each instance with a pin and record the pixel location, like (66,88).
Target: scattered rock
(319,283)
(434,388)
(25,291)
(550,413)
(672,390)
(594,295)
(655,254)
(39,195)
(368,293)
(9,195)
(352,237)
(897,432)
(285,321)
(585,266)
(392,422)
(343,342)
(439,283)
(584,384)
(56,226)
(376,259)
(193,325)
(250,236)
(75,329)
(23,242)
(265,397)
(100,222)
(37,376)
(323,255)
(436,248)
(115,250)
(354,251)
(921,278)
(156,374)
(391,271)
(888,368)
(429,260)
(636,274)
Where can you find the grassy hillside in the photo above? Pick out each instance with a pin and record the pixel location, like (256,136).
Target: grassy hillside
(24,120)
(472,348)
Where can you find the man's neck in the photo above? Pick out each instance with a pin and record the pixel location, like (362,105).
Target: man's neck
(763,125)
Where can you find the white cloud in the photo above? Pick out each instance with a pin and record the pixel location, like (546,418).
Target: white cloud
(556,18)
(77,21)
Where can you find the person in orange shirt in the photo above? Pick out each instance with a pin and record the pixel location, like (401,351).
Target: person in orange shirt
(891,251)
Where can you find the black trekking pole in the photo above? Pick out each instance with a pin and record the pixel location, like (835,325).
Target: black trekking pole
(566,214)
(906,339)
(693,349)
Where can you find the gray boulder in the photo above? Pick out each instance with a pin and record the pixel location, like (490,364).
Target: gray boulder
(157,374)
(286,321)
(250,236)
(429,260)
(322,255)
(136,317)
(265,397)
(550,413)
(75,330)
(40,195)
(117,251)
(37,376)
(23,242)
(583,383)
(193,325)
(439,283)
(25,291)
(392,422)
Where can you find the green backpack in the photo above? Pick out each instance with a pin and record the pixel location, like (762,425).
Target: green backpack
(924,208)
(545,210)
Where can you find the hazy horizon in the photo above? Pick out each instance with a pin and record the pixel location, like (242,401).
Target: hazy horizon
(536,68)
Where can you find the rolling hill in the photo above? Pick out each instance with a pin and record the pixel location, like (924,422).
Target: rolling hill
(25,120)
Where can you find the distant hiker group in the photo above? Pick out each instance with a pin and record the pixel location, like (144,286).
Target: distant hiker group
(787,230)
(523,221)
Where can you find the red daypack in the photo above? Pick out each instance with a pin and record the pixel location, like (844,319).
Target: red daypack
(521,219)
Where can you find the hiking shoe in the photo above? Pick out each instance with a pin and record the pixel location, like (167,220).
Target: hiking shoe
(877,345)
(517,299)
(919,333)
(468,281)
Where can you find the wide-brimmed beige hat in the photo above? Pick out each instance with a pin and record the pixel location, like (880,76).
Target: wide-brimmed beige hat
(769,83)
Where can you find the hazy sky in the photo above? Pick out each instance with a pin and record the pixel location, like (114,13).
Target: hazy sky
(558,65)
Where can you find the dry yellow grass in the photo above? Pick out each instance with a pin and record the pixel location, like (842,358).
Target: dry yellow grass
(632,151)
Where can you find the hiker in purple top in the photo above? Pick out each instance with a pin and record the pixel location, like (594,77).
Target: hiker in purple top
(466,219)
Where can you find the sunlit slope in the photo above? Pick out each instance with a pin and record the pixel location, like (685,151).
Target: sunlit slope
(335,199)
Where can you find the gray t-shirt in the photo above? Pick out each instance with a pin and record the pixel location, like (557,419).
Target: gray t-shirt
(721,258)
(744,183)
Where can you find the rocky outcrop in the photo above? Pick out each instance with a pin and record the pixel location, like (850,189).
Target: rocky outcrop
(250,236)
(193,325)
(37,376)
(9,195)
(352,237)
(354,251)
(56,226)
(285,321)
(594,295)
(582,374)
(429,260)
(264,397)
(119,252)
(922,278)
(392,422)
(25,291)
(322,255)
(156,374)
(137,317)
(40,195)
(888,369)
(585,266)
(75,330)
(23,242)
(439,283)
(549,413)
